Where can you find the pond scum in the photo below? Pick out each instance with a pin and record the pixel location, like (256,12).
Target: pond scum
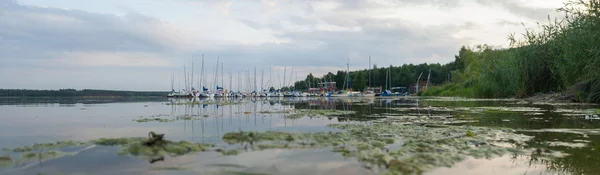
(397,148)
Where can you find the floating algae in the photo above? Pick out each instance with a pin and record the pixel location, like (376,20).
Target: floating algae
(276,112)
(144,120)
(425,120)
(317,113)
(5,161)
(221,103)
(459,99)
(152,147)
(44,155)
(28,156)
(40,146)
(421,149)
(159,118)
(509,109)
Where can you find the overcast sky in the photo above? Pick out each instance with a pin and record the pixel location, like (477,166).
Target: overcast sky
(138,44)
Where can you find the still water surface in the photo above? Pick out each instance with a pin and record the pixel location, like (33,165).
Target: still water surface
(29,121)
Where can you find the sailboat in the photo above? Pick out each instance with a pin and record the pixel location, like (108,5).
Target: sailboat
(348,92)
(369,93)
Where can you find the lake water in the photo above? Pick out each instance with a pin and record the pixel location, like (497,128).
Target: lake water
(562,128)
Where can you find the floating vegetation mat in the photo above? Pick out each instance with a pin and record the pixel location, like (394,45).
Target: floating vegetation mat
(583,132)
(470,109)
(509,109)
(139,147)
(397,148)
(425,120)
(222,103)
(153,149)
(167,118)
(33,154)
(466,99)
(299,113)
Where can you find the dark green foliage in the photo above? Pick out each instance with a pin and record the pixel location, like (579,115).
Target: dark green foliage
(401,76)
(563,53)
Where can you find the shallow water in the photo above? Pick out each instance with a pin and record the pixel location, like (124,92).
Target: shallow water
(561,128)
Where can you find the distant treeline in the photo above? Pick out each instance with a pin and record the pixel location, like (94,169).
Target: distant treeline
(564,55)
(385,77)
(77,93)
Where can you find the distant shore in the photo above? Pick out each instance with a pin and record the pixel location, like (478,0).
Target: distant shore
(85,93)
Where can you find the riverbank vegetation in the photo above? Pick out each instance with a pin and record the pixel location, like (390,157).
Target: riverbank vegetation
(563,56)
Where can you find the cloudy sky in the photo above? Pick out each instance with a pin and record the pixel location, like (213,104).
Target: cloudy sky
(139,44)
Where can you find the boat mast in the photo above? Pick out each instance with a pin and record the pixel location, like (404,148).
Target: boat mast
(216,72)
(390,72)
(184,77)
(417,84)
(369,72)
(270,76)
(202,73)
(291,73)
(172,81)
(348,74)
(428,76)
(192,79)
(284,69)
(222,75)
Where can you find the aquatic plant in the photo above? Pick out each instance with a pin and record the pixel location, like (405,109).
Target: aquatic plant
(5,160)
(152,147)
(299,113)
(419,148)
(44,146)
(221,103)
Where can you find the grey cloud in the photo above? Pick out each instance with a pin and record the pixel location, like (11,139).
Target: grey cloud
(48,30)
(538,14)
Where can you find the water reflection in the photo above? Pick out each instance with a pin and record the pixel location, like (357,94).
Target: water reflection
(28,121)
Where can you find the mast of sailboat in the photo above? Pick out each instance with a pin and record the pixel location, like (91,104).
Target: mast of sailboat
(202,74)
(230,81)
(198,80)
(222,75)
(348,74)
(428,76)
(184,77)
(284,69)
(173,81)
(390,72)
(291,73)
(279,80)
(255,86)
(262,78)
(192,77)
(369,71)
(216,72)
(417,84)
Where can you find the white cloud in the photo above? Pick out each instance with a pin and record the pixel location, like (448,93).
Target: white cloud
(151,39)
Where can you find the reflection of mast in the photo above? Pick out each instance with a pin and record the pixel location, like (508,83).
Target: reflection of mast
(255,115)
(222,116)
(202,122)
(193,136)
